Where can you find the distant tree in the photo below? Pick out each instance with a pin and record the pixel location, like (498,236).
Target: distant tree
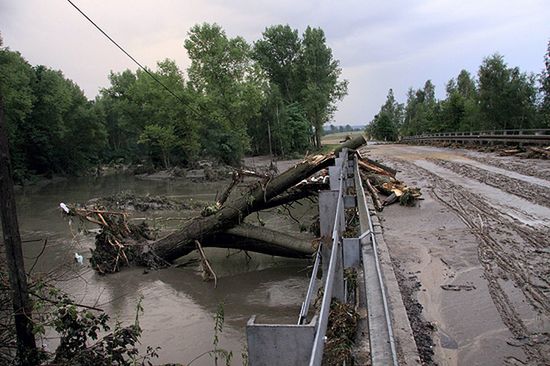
(321,78)
(385,125)
(419,110)
(545,90)
(459,111)
(160,138)
(466,85)
(135,101)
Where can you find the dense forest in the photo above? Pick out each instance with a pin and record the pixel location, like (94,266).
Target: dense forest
(500,98)
(274,95)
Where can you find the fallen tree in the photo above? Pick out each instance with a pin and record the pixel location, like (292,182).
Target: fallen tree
(233,213)
(260,240)
(221,224)
(120,244)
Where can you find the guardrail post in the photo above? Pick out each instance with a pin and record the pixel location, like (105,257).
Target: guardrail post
(279,344)
(327,213)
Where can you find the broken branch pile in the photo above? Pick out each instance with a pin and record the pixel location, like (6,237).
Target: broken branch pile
(380,179)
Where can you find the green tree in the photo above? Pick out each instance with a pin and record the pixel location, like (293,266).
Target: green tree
(226,89)
(466,86)
(122,118)
(545,91)
(136,100)
(277,54)
(386,124)
(459,111)
(321,80)
(16,78)
(506,96)
(162,138)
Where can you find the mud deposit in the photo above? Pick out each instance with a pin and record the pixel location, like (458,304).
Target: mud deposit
(479,247)
(422,329)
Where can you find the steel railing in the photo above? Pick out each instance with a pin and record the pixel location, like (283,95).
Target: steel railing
(362,203)
(383,349)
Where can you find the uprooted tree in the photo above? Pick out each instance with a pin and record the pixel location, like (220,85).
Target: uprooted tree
(220,225)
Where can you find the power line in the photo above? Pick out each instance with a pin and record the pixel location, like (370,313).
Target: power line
(130,56)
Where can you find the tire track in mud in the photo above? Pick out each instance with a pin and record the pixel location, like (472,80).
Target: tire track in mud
(523,166)
(528,191)
(507,250)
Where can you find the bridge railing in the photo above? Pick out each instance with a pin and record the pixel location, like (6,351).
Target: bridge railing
(535,136)
(303,343)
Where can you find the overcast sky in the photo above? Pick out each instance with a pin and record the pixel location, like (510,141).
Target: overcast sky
(380,44)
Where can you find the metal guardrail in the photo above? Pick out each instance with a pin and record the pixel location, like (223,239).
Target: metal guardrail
(531,136)
(383,349)
(335,255)
(303,343)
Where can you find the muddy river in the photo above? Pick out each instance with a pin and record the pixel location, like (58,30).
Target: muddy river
(179,306)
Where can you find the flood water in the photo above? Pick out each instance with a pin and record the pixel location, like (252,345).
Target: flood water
(178,305)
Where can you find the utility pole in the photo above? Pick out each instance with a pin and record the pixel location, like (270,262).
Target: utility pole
(22,307)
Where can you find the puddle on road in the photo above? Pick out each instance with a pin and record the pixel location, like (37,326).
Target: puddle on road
(516,207)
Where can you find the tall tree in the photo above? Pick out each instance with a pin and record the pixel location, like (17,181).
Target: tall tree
(466,85)
(545,90)
(506,96)
(459,110)
(277,55)
(385,125)
(137,107)
(227,90)
(16,78)
(322,84)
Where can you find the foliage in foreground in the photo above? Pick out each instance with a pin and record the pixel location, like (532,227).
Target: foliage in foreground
(84,333)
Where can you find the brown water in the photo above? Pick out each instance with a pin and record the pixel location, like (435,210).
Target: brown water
(179,305)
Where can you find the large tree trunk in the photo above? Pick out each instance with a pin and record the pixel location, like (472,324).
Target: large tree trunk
(261,240)
(233,213)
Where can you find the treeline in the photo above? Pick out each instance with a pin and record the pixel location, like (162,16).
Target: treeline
(500,98)
(339,129)
(235,98)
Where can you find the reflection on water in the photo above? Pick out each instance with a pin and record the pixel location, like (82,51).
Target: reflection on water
(179,306)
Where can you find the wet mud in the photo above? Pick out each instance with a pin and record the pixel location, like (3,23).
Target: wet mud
(532,192)
(480,249)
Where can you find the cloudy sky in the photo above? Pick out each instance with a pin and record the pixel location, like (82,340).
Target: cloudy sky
(380,44)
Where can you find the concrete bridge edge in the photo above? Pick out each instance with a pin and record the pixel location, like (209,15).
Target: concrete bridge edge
(407,350)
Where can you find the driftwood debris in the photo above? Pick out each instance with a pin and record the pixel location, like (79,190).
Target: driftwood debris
(374,195)
(379,178)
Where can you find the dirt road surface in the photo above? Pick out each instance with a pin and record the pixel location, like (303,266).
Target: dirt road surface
(475,253)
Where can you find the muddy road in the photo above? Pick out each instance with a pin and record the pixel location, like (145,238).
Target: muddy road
(477,249)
